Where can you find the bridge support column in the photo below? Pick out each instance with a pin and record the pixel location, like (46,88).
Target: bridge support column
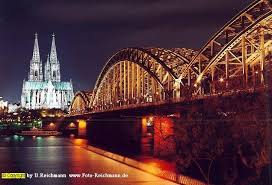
(244,58)
(125,82)
(138,83)
(132,81)
(128,82)
(262,55)
(121,83)
(189,77)
(213,84)
(164,144)
(82,128)
(143,85)
(227,69)
(156,137)
(147,136)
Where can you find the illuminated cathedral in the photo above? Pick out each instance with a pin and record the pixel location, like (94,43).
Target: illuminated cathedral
(46,91)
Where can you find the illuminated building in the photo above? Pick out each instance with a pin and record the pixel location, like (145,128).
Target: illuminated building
(45,91)
(3,105)
(13,107)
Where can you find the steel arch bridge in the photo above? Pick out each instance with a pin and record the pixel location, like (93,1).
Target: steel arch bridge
(138,75)
(80,102)
(237,57)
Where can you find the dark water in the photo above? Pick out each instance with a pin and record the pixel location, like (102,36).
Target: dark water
(58,156)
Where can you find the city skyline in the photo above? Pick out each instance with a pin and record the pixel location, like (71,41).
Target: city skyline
(89,37)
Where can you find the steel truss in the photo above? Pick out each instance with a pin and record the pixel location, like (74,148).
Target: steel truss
(80,102)
(138,75)
(235,57)
(238,56)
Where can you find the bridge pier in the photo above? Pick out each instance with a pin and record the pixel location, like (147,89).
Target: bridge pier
(164,144)
(74,127)
(115,134)
(156,136)
(82,128)
(142,135)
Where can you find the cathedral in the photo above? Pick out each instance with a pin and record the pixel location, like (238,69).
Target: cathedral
(46,91)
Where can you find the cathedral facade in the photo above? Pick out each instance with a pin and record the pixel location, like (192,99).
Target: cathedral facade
(46,91)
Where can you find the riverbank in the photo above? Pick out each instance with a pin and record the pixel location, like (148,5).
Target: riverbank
(153,169)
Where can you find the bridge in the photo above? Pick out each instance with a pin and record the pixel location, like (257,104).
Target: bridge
(232,72)
(236,58)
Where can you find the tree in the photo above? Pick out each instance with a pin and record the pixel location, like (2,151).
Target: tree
(236,152)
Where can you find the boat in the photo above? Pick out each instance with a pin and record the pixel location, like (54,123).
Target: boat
(39,132)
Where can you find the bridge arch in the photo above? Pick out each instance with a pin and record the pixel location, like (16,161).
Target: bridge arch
(139,75)
(80,102)
(232,54)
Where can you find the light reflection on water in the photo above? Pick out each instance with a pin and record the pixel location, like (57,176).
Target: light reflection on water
(57,155)
(31,141)
(35,154)
(48,155)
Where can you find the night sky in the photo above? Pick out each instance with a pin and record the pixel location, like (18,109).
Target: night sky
(89,32)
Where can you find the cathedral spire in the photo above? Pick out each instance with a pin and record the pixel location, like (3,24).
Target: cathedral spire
(47,70)
(35,72)
(54,63)
(36,52)
(47,61)
(53,53)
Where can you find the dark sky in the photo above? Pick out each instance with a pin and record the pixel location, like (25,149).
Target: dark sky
(88,32)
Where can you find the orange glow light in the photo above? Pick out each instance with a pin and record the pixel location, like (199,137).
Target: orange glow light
(78,141)
(82,124)
(72,125)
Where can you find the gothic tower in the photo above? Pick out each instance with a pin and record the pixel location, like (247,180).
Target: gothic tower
(35,72)
(50,92)
(54,63)
(47,70)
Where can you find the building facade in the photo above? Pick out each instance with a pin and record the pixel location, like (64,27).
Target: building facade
(13,107)
(46,90)
(3,106)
